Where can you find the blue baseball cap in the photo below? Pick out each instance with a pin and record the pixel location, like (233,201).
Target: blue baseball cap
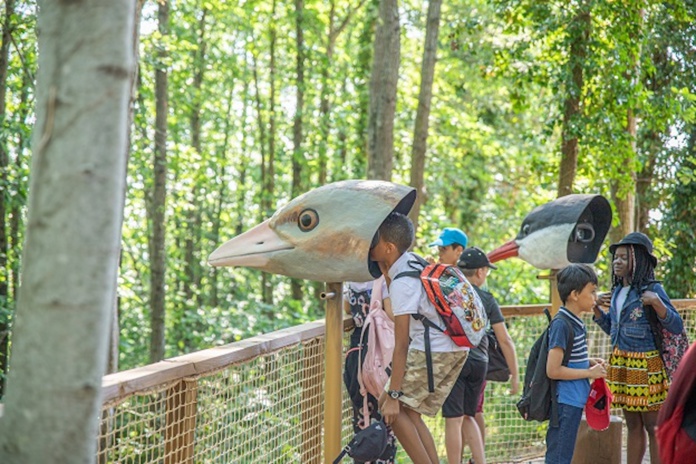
(449,236)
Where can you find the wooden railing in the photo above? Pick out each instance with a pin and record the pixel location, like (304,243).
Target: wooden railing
(262,400)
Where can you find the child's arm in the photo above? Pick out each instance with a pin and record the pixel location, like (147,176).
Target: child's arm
(508,349)
(669,317)
(386,305)
(600,317)
(390,406)
(555,369)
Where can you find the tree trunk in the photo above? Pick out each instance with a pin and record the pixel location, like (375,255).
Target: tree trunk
(4,165)
(624,196)
(572,108)
(297,128)
(326,87)
(223,163)
(365,44)
(114,330)
(158,206)
(71,256)
(420,132)
(385,74)
(269,184)
(659,82)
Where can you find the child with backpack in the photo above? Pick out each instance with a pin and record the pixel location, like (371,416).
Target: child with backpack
(577,287)
(357,298)
(407,394)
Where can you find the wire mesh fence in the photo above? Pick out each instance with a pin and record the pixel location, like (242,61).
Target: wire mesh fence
(269,407)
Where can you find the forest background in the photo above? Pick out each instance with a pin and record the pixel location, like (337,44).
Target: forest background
(488,108)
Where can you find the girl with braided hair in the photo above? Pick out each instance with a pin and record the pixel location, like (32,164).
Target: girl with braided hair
(636,373)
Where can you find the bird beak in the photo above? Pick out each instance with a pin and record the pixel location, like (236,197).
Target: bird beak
(509,250)
(252,248)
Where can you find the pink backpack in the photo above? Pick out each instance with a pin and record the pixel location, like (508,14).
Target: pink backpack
(376,367)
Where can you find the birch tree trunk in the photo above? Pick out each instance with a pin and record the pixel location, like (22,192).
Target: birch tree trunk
(385,75)
(70,260)
(420,133)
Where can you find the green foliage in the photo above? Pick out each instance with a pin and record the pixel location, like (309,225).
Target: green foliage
(502,76)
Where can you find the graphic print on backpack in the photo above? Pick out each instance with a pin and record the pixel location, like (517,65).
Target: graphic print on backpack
(457,303)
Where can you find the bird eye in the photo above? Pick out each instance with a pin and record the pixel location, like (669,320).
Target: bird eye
(584,233)
(308,220)
(525,229)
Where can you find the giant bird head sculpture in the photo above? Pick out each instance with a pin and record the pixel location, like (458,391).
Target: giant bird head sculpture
(322,235)
(570,229)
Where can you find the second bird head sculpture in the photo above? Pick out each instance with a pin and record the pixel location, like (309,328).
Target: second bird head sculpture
(567,230)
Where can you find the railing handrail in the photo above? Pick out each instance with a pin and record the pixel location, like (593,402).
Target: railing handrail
(536,309)
(131,381)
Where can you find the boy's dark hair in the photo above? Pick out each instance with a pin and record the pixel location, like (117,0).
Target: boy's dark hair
(574,277)
(397,228)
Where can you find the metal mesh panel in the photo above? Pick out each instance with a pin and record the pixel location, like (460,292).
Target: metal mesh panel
(270,410)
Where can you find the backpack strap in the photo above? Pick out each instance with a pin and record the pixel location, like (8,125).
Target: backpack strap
(651,315)
(418,264)
(343,452)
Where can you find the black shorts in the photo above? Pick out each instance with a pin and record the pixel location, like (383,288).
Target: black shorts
(463,399)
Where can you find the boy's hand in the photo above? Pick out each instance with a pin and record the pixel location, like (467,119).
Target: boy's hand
(390,409)
(594,361)
(597,371)
(514,385)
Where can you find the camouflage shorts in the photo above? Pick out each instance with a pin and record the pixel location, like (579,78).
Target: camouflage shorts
(446,368)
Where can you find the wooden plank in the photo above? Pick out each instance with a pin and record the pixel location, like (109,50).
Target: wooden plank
(537,309)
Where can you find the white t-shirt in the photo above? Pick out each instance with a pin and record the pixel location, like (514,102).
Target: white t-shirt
(408,297)
(621,299)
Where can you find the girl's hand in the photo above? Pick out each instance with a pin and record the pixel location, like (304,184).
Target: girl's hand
(649,298)
(604,299)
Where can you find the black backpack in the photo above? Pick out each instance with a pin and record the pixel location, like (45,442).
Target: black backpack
(539,400)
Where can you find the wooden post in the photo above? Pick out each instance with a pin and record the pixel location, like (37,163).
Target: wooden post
(334,366)
(593,447)
(180,432)
(553,288)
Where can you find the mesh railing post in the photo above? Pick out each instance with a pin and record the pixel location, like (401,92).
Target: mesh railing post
(180,430)
(334,366)
(312,382)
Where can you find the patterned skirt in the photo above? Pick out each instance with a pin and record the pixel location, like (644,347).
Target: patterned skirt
(638,381)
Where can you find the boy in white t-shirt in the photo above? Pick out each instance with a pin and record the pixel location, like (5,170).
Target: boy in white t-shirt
(407,396)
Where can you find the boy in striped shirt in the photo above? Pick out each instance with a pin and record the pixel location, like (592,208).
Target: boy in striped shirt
(577,287)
